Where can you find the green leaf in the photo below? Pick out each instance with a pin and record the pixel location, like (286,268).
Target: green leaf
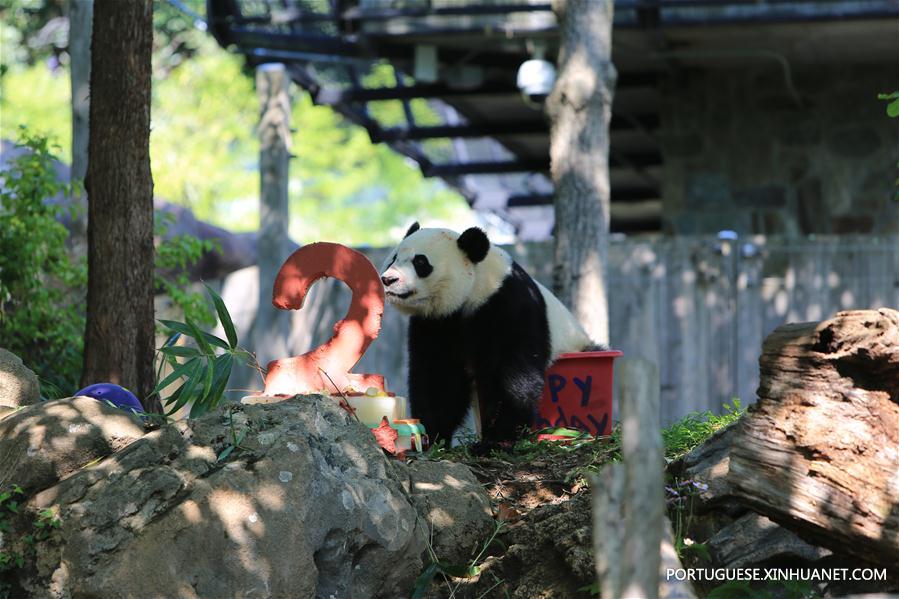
(423,582)
(198,409)
(177,373)
(225,453)
(198,336)
(193,380)
(180,351)
(178,399)
(224,317)
(185,329)
(222,372)
(893,108)
(463,571)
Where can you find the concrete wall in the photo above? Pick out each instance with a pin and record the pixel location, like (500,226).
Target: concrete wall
(741,154)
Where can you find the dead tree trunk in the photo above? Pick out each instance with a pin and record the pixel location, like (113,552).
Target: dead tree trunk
(81,14)
(580,108)
(632,538)
(271,326)
(819,453)
(119,336)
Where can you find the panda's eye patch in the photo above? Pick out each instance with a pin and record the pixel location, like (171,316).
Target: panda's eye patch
(422,267)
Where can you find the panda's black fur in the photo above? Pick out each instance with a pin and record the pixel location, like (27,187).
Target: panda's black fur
(500,349)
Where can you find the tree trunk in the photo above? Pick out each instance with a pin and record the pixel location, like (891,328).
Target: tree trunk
(80,25)
(271,326)
(580,108)
(119,337)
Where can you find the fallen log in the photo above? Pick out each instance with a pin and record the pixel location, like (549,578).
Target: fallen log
(809,477)
(819,452)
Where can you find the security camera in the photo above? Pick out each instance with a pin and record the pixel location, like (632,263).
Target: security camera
(536,78)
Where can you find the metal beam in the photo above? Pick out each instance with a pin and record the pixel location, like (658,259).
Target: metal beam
(501,128)
(638,160)
(618,194)
(331,96)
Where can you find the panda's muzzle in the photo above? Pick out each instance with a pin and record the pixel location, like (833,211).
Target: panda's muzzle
(400,295)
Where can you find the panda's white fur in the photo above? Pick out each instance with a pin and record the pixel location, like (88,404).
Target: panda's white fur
(479,324)
(458,284)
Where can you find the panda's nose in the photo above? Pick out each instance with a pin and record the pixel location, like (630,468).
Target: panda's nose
(388,281)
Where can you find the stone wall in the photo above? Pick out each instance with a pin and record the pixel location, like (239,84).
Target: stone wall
(741,154)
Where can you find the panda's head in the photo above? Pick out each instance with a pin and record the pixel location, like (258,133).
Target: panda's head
(435,272)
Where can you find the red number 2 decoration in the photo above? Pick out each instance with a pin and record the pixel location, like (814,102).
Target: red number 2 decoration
(328,366)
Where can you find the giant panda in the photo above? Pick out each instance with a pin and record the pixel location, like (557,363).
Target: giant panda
(479,324)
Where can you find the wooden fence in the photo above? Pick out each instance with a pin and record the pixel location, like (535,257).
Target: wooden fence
(697,307)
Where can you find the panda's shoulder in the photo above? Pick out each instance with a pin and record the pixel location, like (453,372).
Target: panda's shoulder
(518,287)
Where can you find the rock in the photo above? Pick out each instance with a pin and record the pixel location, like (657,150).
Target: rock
(18,384)
(456,507)
(306,506)
(44,443)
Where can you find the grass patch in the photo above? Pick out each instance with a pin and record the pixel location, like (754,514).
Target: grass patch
(586,454)
(693,429)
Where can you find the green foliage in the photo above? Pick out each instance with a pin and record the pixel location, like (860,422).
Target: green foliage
(692,430)
(892,103)
(205,113)
(174,256)
(473,568)
(19,531)
(236,439)
(42,289)
(739,589)
(42,298)
(206,366)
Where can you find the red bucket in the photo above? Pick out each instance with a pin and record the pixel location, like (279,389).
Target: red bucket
(577,393)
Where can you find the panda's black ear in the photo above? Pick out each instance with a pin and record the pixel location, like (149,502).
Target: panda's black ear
(415,227)
(474,243)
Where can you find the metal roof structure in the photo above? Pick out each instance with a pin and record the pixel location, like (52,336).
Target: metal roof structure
(481,135)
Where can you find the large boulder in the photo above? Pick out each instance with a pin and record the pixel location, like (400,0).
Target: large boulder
(18,385)
(43,443)
(288,499)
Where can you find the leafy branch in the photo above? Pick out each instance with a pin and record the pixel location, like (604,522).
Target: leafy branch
(206,365)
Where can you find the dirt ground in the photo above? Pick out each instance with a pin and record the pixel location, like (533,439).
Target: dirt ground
(542,505)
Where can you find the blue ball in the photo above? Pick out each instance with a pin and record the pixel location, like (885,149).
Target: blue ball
(114,394)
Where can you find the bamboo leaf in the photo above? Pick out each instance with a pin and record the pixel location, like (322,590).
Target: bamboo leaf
(224,317)
(185,329)
(198,336)
(180,371)
(180,351)
(178,398)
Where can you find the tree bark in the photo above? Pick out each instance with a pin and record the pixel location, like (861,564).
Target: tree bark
(632,542)
(119,336)
(80,25)
(818,454)
(580,108)
(271,326)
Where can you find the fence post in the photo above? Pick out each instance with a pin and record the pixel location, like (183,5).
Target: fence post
(629,521)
